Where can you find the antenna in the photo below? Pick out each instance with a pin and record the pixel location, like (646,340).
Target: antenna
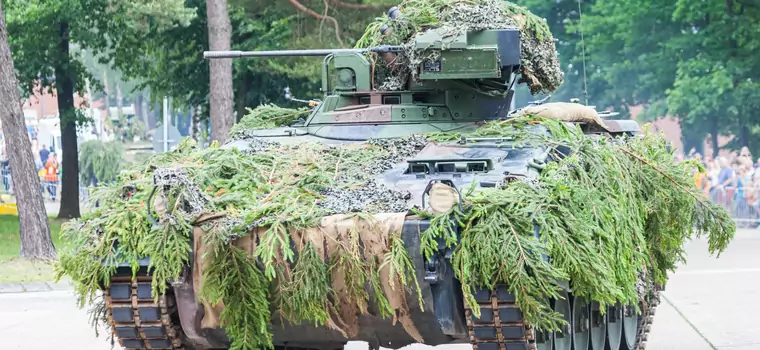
(583,48)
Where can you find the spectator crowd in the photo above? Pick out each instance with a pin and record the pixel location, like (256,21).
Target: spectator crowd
(732,181)
(47,167)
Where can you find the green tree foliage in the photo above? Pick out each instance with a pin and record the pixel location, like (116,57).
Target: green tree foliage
(100,161)
(170,61)
(562,18)
(717,84)
(625,64)
(42,34)
(691,60)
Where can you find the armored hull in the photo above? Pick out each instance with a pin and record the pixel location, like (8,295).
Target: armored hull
(174,321)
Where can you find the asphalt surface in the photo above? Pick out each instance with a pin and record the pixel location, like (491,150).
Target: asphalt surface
(708,304)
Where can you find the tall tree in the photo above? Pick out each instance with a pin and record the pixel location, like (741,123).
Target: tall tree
(41,33)
(34,228)
(717,87)
(221,94)
(581,76)
(64,81)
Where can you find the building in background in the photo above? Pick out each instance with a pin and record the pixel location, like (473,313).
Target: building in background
(671,129)
(41,116)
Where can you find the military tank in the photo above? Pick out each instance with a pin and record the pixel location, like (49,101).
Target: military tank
(450,94)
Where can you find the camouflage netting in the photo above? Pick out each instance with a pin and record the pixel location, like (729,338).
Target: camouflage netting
(540,64)
(304,229)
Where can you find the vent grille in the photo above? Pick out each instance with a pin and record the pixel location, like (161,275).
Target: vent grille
(449,167)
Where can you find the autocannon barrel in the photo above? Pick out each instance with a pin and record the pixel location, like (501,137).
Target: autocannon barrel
(320,52)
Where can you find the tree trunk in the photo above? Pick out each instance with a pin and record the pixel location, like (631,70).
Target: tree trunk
(744,135)
(714,135)
(140,111)
(195,123)
(119,100)
(64,81)
(242,94)
(108,97)
(150,110)
(221,101)
(156,112)
(33,225)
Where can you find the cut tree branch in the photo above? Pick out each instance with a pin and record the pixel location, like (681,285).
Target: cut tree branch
(311,12)
(663,173)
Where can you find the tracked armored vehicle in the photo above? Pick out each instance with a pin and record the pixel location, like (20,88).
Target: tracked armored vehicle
(447,96)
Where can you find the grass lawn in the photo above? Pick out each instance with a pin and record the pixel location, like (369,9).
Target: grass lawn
(13,269)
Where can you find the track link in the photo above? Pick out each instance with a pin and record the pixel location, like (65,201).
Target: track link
(646,320)
(501,325)
(137,320)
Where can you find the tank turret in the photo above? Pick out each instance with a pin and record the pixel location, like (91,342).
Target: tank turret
(462,78)
(469,58)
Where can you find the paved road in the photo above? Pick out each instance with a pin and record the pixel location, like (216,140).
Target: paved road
(709,304)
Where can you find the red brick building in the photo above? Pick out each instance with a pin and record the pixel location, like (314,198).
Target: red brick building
(671,128)
(47,104)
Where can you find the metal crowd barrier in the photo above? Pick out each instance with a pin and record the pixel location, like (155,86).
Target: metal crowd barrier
(743,204)
(50,189)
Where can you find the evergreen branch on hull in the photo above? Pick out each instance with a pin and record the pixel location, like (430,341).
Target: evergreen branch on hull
(601,213)
(606,211)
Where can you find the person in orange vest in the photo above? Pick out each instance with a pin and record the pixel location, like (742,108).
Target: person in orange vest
(702,181)
(51,175)
(701,178)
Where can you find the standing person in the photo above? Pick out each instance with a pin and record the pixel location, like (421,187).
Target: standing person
(744,153)
(6,169)
(51,176)
(702,180)
(742,183)
(44,154)
(41,172)
(726,173)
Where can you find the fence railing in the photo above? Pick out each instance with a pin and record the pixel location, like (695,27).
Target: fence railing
(743,204)
(49,186)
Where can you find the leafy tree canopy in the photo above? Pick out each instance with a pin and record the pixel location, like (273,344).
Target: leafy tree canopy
(691,60)
(35,31)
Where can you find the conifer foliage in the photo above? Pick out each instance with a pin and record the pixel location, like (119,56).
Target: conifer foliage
(607,211)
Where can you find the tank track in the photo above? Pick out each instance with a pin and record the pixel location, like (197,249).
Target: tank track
(139,322)
(136,319)
(501,325)
(646,319)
